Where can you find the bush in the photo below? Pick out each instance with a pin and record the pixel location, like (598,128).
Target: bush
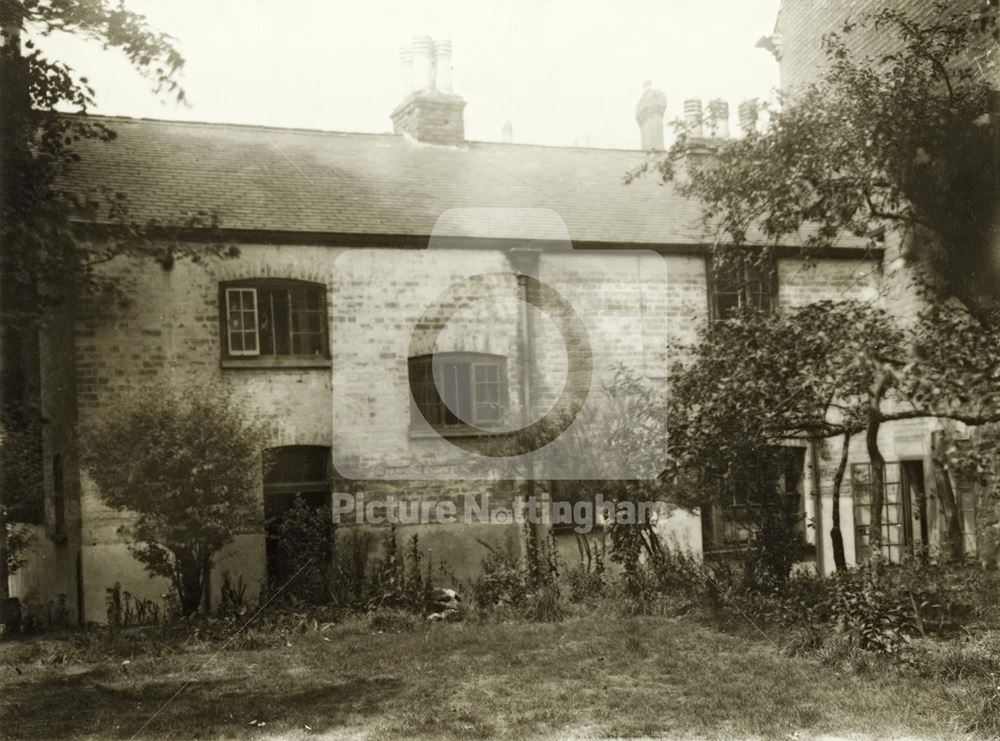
(305,538)
(526,587)
(123,609)
(869,608)
(670,580)
(233,603)
(588,579)
(184,463)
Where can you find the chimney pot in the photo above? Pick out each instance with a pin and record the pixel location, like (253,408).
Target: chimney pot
(718,116)
(748,116)
(649,115)
(693,116)
(423,63)
(442,65)
(406,70)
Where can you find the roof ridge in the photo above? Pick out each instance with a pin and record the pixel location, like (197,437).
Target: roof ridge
(365,134)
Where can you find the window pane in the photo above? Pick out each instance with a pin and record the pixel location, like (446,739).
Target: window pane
(726,305)
(241,320)
(265,320)
(280,302)
(306,321)
(457,392)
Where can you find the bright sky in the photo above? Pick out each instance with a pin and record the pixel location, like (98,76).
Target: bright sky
(562,72)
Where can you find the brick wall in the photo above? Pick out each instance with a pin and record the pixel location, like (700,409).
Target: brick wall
(638,309)
(803,23)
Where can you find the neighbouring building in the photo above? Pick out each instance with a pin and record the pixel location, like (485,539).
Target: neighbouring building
(916,480)
(342,240)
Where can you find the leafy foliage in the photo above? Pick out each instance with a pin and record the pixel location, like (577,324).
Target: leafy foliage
(38,145)
(753,384)
(21,480)
(305,539)
(522,584)
(904,143)
(187,465)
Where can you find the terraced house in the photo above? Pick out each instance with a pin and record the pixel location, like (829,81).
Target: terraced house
(343,240)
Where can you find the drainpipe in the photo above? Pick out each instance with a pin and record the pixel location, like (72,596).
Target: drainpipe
(524,262)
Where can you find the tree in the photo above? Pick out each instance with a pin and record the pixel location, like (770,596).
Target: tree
(42,259)
(186,466)
(828,369)
(904,144)
(903,149)
(757,382)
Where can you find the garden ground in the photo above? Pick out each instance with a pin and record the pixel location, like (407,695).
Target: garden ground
(592,675)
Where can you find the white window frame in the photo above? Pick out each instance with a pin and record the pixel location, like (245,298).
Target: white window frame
(244,330)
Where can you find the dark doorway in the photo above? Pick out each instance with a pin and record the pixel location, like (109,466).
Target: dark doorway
(916,499)
(296,472)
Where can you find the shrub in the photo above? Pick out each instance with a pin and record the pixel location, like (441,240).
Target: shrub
(587,580)
(233,602)
(185,464)
(123,609)
(528,585)
(670,580)
(503,580)
(305,537)
(862,604)
(397,580)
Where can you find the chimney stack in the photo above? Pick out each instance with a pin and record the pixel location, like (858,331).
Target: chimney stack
(748,116)
(649,115)
(508,132)
(718,117)
(430,111)
(693,116)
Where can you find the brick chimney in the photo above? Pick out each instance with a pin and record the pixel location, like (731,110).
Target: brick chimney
(430,112)
(649,115)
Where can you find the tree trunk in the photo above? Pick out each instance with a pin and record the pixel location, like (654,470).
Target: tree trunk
(189,569)
(836,536)
(946,493)
(4,575)
(877,464)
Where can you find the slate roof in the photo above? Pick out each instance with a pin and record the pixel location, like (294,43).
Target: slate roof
(317,182)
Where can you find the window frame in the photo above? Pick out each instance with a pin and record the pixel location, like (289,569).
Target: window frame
(765,276)
(254,286)
(897,532)
(419,417)
(729,518)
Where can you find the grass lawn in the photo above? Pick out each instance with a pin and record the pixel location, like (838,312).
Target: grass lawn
(586,676)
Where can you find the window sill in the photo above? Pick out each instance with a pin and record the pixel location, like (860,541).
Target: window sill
(424,432)
(270,362)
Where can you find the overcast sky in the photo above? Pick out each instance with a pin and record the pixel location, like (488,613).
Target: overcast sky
(563,72)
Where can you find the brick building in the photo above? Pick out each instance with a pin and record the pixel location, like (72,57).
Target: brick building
(801,25)
(343,240)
